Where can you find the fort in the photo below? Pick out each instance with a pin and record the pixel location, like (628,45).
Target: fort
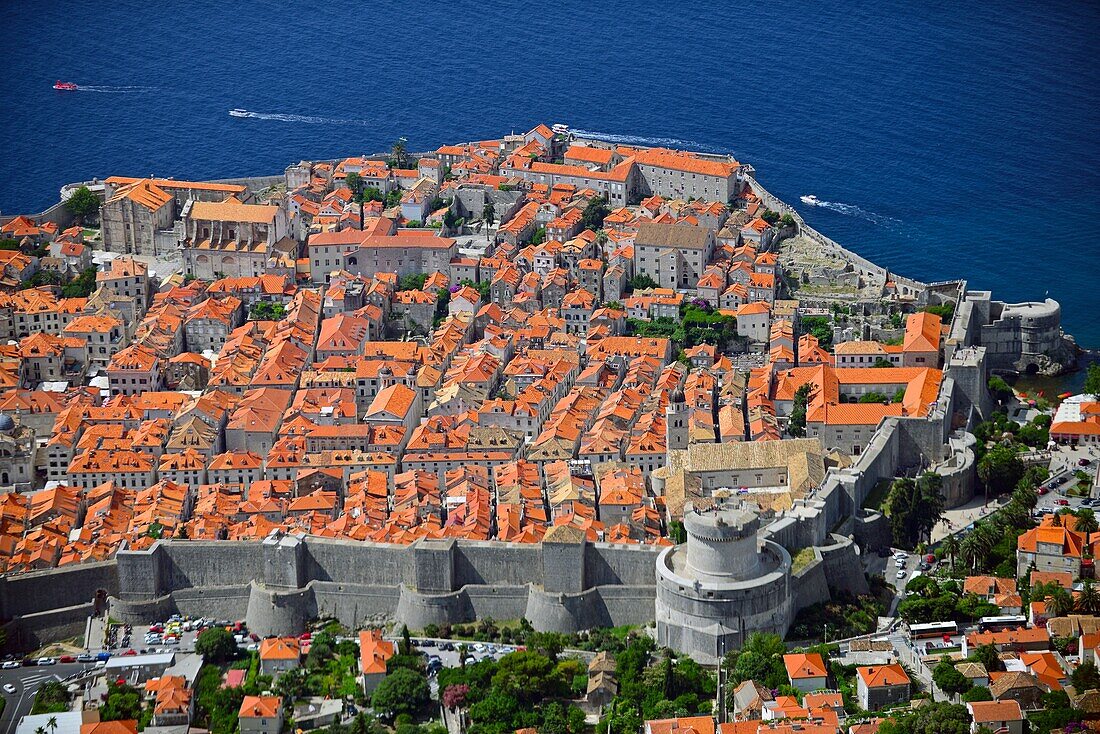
(563,583)
(734,575)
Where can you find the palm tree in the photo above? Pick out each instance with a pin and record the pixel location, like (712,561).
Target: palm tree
(950,547)
(1089,601)
(52,724)
(977,545)
(1060,603)
(489,214)
(1086,521)
(1025,496)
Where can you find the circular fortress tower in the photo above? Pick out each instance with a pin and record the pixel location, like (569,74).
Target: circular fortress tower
(722,585)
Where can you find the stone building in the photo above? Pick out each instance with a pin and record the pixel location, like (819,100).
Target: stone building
(233,239)
(679,175)
(674,255)
(16,455)
(721,586)
(139,215)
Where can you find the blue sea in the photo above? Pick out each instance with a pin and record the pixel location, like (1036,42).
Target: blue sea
(949,139)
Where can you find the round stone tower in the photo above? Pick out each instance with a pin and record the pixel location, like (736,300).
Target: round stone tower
(722,544)
(722,585)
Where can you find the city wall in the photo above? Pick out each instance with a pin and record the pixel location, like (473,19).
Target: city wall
(557,586)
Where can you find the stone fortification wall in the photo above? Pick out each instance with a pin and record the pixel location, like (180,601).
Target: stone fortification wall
(26,594)
(905,286)
(556,586)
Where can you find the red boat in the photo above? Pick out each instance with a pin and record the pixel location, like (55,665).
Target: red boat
(64,86)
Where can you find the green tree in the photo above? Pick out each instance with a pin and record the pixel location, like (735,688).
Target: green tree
(595,212)
(977,546)
(999,389)
(51,698)
(915,506)
(934,718)
(797,424)
(216,645)
(1089,600)
(123,702)
(882,363)
(526,676)
(1060,603)
(1092,379)
(950,548)
(988,656)
(642,281)
(1000,469)
(1085,676)
(976,693)
(489,216)
(761,660)
(82,203)
(401,692)
(1026,497)
(820,326)
(1086,520)
(539,236)
(399,154)
(291,684)
(949,680)
(355,183)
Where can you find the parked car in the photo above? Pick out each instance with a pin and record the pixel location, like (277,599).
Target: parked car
(47,661)
(1083,462)
(66,659)
(1061,502)
(901,574)
(85,657)
(1041,491)
(9,664)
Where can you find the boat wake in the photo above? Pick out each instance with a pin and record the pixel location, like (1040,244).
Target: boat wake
(113,90)
(851,210)
(637,139)
(307,119)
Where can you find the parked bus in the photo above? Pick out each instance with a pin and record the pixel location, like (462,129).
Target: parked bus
(1005,622)
(933,629)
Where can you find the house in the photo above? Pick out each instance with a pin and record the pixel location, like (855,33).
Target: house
(806,671)
(1050,548)
(278,655)
(1024,688)
(261,715)
(975,673)
(881,686)
(680,725)
(1005,716)
(674,255)
(374,653)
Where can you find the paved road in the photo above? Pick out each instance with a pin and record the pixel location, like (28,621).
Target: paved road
(27,681)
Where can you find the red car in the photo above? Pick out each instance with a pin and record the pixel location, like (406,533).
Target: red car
(1041,491)
(131,651)
(305,636)
(1063,503)
(66,659)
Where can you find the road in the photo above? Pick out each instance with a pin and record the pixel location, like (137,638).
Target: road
(27,681)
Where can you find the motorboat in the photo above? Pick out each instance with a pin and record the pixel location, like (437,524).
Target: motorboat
(64,86)
(238,112)
(810,199)
(560,128)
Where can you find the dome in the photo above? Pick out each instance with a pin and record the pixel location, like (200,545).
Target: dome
(677,396)
(7,424)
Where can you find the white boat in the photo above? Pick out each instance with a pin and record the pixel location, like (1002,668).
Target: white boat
(560,128)
(238,112)
(810,199)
